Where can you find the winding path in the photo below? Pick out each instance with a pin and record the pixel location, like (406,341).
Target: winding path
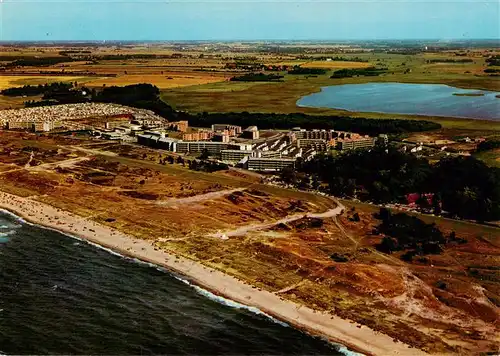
(243,230)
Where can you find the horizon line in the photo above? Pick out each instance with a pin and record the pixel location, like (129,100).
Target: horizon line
(259,40)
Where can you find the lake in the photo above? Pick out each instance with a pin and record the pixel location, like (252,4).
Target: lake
(414,99)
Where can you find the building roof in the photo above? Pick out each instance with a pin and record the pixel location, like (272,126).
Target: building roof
(251,128)
(271,159)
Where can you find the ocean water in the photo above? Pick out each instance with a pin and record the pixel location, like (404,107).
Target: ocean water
(60,295)
(415,99)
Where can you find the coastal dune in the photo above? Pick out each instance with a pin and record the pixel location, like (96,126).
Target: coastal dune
(355,336)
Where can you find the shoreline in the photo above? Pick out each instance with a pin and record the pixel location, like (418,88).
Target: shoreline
(354,336)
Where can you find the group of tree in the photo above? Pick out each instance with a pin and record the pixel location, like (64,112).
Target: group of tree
(488,145)
(70,52)
(52,94)
(288,121)
(39,103)
(39,61)
(207,166)
(33,90)
(257,77)
(449,60)
(336,58)
(408,233)
(349,59)
(171,160)
(143,96)
(464,187)
(493,60)
(368,72)
(310,71)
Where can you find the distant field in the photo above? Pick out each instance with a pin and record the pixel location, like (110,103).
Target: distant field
(226,86)
(335,64)
(491,158)
(282,96)
(164,81)
(8,102)
(7,81)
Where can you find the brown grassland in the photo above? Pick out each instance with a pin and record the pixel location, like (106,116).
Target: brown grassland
(10,81)
(165,81)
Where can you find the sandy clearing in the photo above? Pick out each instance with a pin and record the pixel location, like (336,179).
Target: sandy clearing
(198,198)
(243,230)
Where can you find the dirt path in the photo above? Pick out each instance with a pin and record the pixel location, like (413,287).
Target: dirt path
(27,165)
(243,230)
(46,166)
(292,287)
(66,163)
(91,151)
(198,198)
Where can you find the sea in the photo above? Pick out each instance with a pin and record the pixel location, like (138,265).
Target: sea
(62,295)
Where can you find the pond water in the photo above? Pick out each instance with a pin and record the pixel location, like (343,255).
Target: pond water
(415,99)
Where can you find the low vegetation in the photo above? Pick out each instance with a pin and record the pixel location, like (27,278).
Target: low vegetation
(38,61)
(206,166)
(368,72)
(288,121)
(488,145)
(33,90)
(493,61)
(257,77)
(408,233)
(450,60)
(309,71)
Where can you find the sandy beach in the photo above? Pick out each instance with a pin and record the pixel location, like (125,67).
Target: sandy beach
(354,336)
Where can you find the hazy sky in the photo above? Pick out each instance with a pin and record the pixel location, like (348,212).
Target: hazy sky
(249,19)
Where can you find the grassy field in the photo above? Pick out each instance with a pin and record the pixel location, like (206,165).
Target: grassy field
(335,64)
(281,97)
(491,158)
(198,82)
(9,81)
(164,81)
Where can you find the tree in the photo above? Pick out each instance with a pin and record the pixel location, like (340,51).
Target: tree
(423,202)
(388,245)
(204,154)
(436,204)
(288,175)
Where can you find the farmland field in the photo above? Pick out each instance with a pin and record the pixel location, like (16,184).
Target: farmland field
(162,81)
(9,81)
(282,96)
(335,64)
